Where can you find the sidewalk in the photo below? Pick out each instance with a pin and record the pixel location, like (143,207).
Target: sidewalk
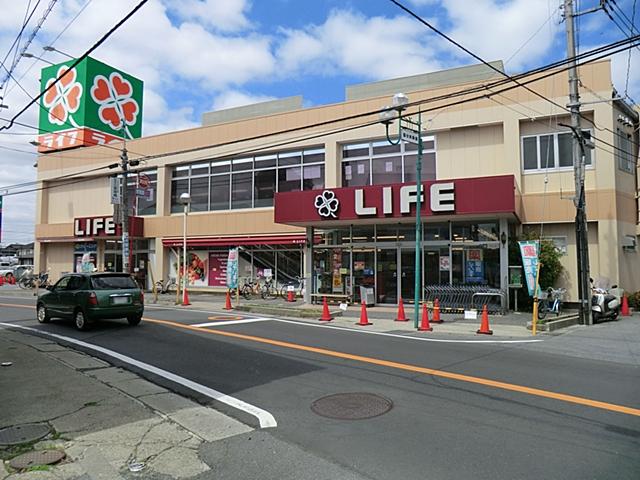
(107,421)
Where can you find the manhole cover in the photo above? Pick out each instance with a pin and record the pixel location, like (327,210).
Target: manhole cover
(23,433)
(32,459)
(351,406)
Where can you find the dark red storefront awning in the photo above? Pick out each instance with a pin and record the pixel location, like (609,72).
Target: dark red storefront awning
(239,241)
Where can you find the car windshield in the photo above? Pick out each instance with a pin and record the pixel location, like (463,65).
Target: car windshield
(112,282)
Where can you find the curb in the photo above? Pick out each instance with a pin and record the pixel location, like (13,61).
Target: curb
(561,322)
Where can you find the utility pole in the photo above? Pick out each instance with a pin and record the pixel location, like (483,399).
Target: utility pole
(125,163)
(125,211)
(582,244)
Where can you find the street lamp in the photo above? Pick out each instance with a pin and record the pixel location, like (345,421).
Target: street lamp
(409,130)
(31,55)
(49,48)
(185,199)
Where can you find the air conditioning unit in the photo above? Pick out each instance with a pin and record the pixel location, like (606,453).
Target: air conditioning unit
(629,242)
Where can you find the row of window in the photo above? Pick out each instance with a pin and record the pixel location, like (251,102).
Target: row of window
(380,162)
(246,182)
(552,151)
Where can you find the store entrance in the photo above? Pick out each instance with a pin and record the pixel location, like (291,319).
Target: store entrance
(408,274)
(363,270)
(387,278)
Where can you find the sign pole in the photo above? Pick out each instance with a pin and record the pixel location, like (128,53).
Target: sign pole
(534,319)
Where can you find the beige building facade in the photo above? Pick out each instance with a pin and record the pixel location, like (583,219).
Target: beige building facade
(242,167)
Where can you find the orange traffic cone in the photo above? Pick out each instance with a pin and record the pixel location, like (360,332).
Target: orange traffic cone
(326,316)
(624,311)
(227,302)
(484,324)
(424,325)
(436,312)
(185,298)
(290,296)
(401,316)
(364,319)
(1,280)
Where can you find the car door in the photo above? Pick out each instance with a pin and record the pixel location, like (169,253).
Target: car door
(52,298)
(69,295)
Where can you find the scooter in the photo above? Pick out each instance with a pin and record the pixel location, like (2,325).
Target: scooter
(603,304)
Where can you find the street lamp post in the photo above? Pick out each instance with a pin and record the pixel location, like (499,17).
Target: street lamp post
(409,130)
(185,199)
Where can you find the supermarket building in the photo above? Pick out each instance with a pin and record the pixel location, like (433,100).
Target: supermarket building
(320,193)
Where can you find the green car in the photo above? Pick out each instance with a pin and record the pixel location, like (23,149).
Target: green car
(86,297)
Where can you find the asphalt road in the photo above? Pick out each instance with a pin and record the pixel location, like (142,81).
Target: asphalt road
(460,410)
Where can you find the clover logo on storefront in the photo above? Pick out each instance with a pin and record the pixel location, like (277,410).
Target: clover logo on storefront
(64,97)
(327,204)
(118,108)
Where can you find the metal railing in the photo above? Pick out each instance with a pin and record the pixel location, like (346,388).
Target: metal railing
(461,297)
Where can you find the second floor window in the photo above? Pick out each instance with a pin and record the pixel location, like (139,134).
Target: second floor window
(551,151)
(379,162)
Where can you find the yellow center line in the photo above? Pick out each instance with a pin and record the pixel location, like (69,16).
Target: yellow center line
(414,368)
(612,407)
(17,305)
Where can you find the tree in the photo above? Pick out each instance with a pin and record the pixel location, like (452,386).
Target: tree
(549,256)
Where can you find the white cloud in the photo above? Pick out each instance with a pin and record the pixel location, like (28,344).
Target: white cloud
(495,29)
(221,15)
(374,48)
(237,98)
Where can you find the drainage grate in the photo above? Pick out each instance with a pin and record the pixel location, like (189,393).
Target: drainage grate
(351,406)
(32,459)
(23,433)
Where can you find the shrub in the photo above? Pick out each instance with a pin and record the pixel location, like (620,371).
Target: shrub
(634,300)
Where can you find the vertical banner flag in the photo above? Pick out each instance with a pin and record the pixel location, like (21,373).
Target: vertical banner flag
(232,268)
(529,252)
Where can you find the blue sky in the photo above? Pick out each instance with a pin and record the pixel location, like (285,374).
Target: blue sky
(200,55)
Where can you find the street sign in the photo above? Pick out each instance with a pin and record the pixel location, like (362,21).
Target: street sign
(410,136)
(144,181)
(114,187)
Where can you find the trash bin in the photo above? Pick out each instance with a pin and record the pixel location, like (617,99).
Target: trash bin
(367,296)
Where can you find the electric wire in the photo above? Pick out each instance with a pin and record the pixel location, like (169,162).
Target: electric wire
(497,70)
(604,52)
(35,61)
(75,63)
(18,37)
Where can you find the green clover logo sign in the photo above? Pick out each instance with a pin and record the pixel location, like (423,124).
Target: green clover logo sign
(327,204)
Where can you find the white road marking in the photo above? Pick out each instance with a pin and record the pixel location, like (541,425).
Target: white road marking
(265,418)
(230,322)
(368,332)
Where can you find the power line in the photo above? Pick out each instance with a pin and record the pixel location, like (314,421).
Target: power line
(17,150)
(602,50)
(18,36)
(532,36)
(506,75)
(29,40)
(75,63)
(52,43)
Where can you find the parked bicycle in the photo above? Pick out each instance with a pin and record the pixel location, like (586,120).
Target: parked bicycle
(166,287)
(268,290)
(298,287)
(250,288)
(552,303)
(29,280)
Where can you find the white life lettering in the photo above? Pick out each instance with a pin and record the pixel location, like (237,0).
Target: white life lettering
(408,196)
(77,231)
(360,208)
(98,224)
(442,197)
(109,227)
(387,200)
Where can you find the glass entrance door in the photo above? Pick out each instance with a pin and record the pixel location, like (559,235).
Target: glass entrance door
(387,279)
(407,269)
(363,270)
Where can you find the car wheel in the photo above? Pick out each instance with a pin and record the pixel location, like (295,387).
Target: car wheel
(80,320)
(134,319)
(42,314)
